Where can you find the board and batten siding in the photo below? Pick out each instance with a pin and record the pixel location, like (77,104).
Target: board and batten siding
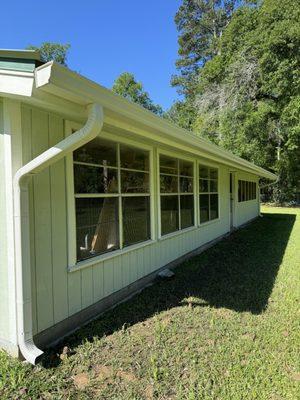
(57,293)
(247,210)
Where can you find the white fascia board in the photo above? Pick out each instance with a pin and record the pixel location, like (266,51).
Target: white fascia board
(19,85)
(56,79)
(16,83)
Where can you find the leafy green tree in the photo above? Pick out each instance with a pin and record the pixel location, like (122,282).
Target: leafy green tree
(52,51)
(127,86)
(182,113)
(248,95)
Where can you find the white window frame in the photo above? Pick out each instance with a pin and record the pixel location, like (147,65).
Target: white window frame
(204,163)
(179,156)
(255,191)
(73,264)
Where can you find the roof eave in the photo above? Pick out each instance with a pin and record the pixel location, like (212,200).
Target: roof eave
(62,82)
(22,54)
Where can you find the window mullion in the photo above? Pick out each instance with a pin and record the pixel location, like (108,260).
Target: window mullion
(209,181)
(179,213)
(178,189)
(95,195)
(135,170)
(87,164)
(120,198)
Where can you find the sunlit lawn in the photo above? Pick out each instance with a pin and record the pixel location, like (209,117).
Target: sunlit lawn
(226,327)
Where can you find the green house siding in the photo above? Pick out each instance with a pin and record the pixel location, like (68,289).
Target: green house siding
(57,293)
(48,221)
(245,211)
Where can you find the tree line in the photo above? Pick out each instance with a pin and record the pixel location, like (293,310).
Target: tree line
(239,78)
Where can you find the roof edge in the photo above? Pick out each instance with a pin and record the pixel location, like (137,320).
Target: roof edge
(55,78)
(22,54)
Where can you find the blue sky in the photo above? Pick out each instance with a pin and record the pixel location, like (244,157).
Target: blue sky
(107,37)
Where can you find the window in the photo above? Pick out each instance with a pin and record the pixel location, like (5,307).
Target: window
(246,191)
(208,194)
(112,197)
(176,194)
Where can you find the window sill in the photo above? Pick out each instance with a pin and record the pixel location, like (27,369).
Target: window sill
(213,221)
(191,228)
(247,201)
(107,256)
(177,233)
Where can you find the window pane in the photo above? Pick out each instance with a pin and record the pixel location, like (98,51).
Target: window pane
(186,185)
(169,214)
(239,191)
(95,179)
(243,190)
(203,185)
(204,208)
(97,151)
(187,211)
(203,172)
(213,186)
(168,184)
(136,219)
(214,208)
(168,165)
(185,168)
(97,226)
(254,190)
(134,182)
(213,173)
(134,158)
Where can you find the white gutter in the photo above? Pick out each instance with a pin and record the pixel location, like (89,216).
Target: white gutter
(58,80)
(88,132)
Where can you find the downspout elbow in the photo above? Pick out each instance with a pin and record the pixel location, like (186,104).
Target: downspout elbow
(88,132)
(269,184)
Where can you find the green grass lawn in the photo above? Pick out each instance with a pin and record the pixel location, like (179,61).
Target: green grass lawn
(226,327)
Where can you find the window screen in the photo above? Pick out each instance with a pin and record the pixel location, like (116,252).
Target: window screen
(208,194)
(176,194)
(112,197)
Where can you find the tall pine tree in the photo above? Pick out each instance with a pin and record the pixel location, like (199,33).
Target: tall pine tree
(200,24)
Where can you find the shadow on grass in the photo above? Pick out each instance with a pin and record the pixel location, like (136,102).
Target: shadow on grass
(238,273)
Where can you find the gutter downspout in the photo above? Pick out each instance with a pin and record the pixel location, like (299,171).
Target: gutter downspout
(88,132)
